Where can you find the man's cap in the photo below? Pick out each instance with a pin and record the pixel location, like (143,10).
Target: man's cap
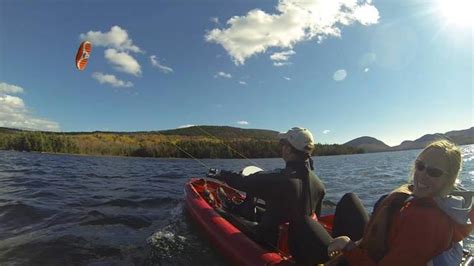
(300,138)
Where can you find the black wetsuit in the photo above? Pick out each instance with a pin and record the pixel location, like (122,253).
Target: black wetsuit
(288,193)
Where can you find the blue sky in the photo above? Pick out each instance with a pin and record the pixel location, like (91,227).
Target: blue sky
(394,70)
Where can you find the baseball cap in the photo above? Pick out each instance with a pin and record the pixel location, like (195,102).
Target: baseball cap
(300,138)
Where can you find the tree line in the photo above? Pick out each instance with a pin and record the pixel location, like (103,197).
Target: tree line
(152,145)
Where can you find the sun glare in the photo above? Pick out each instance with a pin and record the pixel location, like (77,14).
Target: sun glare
(459,12)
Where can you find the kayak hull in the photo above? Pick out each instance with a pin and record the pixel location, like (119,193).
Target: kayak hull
(223,235)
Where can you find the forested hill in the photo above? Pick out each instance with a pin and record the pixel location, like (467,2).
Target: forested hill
(197,141)
(224,132)
(9,130)
(369,144)
(221,132)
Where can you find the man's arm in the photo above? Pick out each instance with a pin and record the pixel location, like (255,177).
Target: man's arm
(256,183)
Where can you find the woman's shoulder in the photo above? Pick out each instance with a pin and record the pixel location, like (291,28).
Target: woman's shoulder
(424,212)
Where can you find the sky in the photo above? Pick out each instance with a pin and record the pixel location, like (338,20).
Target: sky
(389,69)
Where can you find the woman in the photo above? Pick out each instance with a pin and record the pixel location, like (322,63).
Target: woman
(415,223)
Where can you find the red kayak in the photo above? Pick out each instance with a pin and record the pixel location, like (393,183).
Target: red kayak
(222,228)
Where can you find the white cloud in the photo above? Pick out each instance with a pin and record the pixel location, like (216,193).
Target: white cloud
(123,62)
(366,14)
(185,126)
(295,21)
(282,56)
(221,74)
(279,59)
(111,80)
(12,101)
(279,64)
(162,68)
(116,38)
(326,131)
(15,114)
(215,20)
(339,75)
(119,47)
(287,78)
(8,88)
(242,82)
(242,122)
(366,69)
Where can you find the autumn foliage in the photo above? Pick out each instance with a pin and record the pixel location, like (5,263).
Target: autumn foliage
(228,143)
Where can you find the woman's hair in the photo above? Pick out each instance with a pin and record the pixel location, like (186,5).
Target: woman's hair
(453,156)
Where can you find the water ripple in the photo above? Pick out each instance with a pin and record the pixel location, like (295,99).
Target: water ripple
(98,218)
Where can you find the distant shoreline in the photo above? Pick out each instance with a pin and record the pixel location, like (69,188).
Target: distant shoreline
(202,142)
(171,158)
(217,142)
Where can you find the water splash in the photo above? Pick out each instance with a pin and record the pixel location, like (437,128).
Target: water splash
(166,244)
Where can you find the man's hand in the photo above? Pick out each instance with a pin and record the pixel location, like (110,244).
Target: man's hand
(214,173)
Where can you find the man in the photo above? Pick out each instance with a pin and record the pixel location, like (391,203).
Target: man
(289,193)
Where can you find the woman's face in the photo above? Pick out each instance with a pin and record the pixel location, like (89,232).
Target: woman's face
(430,177)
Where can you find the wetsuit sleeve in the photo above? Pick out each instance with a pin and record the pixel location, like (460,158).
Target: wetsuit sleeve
(418,239)
(320,192)
(255,184)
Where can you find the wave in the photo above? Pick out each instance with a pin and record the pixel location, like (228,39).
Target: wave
(13,213)
(27,183)
(146,203)
(44,194)
(36,172)
(99,218)
(105,176)
(15,171)
(64,250)
(15,216)
(169,175)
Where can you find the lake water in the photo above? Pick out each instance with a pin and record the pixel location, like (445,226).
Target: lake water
(85,210)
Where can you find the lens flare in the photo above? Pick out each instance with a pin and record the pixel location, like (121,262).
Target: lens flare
(459,12)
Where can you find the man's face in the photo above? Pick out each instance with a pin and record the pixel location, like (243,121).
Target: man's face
(285,152)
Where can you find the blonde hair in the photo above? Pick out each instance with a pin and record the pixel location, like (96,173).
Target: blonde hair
(453,156)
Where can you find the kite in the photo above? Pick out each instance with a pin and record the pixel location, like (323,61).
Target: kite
(83,54)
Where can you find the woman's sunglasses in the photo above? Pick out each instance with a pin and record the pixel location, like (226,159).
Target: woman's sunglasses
(431,171)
